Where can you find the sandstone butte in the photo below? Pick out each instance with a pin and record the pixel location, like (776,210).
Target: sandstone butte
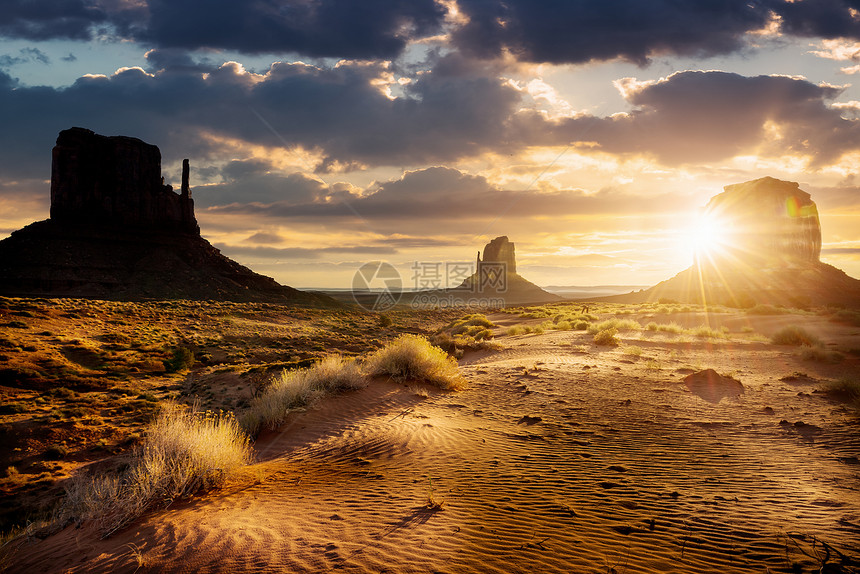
(116,231)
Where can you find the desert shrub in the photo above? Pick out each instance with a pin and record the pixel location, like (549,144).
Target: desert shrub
(847,317)
(12,408)
(410,357)
(651,326)
(617,324)
(607,337)
(471,332)
(820,355)
(515,330)
(56,452)
(184,452)
(672,327)
(705,332)
(794,335)
(581,325)
(297,388)
(563,326)
(764,309)
(633,350)
(845,389)
(385,320)
(182,360)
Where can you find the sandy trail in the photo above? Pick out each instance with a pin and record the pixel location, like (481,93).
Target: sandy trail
(552,461)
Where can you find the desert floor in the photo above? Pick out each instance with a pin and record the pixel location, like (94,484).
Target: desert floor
(560,456)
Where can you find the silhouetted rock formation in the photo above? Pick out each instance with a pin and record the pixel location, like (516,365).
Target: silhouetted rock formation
(115,180)
(496,279)
(500,250)
(117,232)
(770,254)
(766,223)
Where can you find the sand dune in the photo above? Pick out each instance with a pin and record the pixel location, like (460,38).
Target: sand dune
(553,460)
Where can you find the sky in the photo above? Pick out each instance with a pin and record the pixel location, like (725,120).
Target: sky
(324,134)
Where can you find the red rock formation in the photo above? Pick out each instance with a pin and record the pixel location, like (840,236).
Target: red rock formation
(117,232)
(766,223)
(115,181)
(500,250)
(769,254)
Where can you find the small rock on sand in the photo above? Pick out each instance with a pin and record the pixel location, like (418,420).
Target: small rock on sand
(712,386)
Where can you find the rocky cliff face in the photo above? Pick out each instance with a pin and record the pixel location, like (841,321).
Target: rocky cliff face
(115,181)
(500,250)
(117,232)
(494,284)
(766,223)
(770,254)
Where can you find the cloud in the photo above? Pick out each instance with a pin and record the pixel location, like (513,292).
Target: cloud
(49,19)
(27,55)
(447,194)
(448,112)
(451,109)
(324,28)
(303,252)
(696,116)
(579,31)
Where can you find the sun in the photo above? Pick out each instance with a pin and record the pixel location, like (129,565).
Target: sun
(706,236)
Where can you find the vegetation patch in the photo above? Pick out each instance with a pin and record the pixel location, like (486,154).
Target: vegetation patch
(796,336)
(410,357)
(184,452)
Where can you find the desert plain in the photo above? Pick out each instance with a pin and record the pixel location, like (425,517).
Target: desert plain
(581,440)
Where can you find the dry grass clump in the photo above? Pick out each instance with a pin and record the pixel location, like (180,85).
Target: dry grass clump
(410,357)
(794,335)
(184,452)
(607,337)
(705,332)
(471,332)
(820,355)
(847,390)
(297,388)
(765,309)
(617,324)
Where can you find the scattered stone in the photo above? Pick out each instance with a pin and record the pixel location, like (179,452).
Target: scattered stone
(713,387)
(527,420)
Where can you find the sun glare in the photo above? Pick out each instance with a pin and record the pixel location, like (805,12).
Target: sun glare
(706,237)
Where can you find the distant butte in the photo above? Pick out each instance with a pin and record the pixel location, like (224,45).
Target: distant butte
(496,280)
(770,254)
(116,231)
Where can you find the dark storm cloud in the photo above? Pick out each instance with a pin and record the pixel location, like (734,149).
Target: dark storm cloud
(709,116)
(451,111)
(578,31)
(337,28)
(50,19)
(448,194)
(819,18)
(584,30)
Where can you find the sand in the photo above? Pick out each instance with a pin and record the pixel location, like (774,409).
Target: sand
(553,460)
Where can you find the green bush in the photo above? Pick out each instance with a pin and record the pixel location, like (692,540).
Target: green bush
(182,360)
